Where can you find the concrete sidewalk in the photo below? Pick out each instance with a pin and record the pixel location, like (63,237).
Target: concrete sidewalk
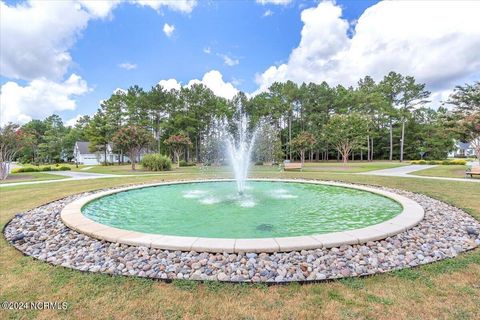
(405,172)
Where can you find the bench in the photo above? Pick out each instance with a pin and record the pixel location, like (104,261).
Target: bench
(292,165)
(474,171)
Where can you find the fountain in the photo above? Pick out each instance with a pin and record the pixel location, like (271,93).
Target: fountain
(239,151)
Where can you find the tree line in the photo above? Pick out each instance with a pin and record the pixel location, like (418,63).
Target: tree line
(386,120)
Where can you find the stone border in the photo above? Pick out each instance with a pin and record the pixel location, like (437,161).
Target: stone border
(411,215)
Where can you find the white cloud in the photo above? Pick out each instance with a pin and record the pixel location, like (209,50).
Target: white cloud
(437,43)
(168,29)
(170,84)
(229,61)
(213,79)
(38,99)
(268,13)
(35,38)
(100,8)
(127,66)
(71,122)
(184,6)
(207,50)
(277,2)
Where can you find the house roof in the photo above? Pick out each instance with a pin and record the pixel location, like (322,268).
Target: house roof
(83,147)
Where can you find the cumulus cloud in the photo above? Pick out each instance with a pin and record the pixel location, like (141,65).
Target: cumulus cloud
(184,6)
(170,84)
(213,79)
(277,2)
(438,43)
(35,38)
(168,29)
(268,13)
(207,50)
(38,99)
(228,60)
(127,66)
(71,122)
(100,8)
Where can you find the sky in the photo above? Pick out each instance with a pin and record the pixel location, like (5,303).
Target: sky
(65,57)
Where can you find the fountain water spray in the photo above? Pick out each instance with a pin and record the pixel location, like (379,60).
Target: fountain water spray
(239,151)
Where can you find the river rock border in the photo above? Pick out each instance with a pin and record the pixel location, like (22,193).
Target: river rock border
(411,214)
(444,232)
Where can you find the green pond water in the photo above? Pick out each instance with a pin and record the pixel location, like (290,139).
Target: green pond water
(267,209)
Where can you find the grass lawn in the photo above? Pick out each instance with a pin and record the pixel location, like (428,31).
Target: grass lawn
(449,289)
(453,171)
(328,166)
(30,176)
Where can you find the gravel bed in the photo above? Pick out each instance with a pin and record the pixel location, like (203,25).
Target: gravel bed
(444,233)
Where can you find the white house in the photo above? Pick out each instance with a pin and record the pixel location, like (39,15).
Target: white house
(462,149)
(83,155)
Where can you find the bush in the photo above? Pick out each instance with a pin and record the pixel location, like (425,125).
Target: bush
(422,162)
(432,162)
(46,168)
(445,162)
(184,163)
(64,168)
(458,162)
(156,162)
(25,169)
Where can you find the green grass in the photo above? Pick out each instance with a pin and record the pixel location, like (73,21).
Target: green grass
(452,171)
(326,166)
(445,290)
(31,176)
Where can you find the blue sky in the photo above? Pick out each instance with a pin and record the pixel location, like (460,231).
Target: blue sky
(249,43)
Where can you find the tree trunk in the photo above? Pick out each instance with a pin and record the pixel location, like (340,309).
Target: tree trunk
(391,142)
(368,148)
(289,136)
(361,154)
(402,140)
(302,155)
(132,159)
(105,155)
(371,151)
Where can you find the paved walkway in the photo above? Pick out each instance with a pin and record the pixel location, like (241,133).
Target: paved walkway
(72,175)
(405,172)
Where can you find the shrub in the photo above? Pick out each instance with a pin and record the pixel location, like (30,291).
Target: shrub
(64,168)
(25,169)
(422,162)
(156,162)
(184,163)
(46,168)
(445,162)
(458,162)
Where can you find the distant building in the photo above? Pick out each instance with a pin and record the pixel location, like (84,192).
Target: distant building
(83,155)
(462,150)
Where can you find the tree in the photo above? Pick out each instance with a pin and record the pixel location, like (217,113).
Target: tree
(132,139)
(99,134)
(413,94)
(11,141)
(177,144)
(466,100)
(302,142)
(346,132)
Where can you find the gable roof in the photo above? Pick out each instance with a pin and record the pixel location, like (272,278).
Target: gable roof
(83,147)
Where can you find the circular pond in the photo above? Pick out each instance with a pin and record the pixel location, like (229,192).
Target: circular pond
(267,209)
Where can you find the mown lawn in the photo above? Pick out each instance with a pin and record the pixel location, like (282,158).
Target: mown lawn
(453,171)
(325,166)
(445,290)
(31,176)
